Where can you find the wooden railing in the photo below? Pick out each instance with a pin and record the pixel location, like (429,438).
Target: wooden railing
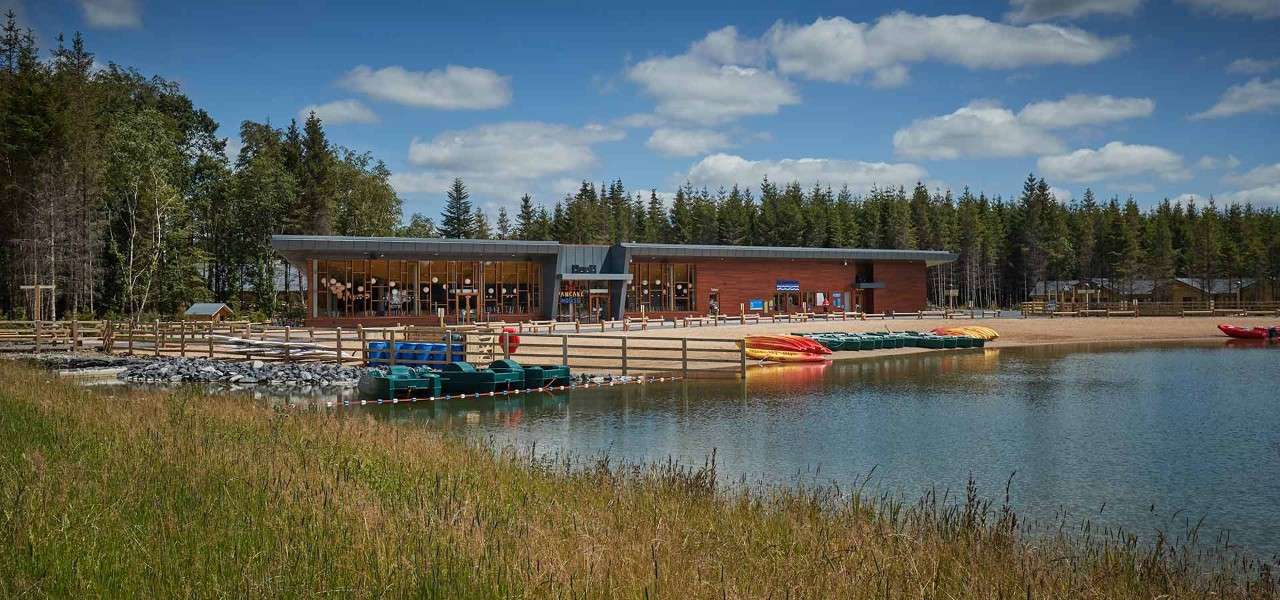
(1151,309)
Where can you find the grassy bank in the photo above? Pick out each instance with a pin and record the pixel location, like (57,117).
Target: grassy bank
(152,494)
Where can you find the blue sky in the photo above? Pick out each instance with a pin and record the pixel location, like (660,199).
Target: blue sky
(1150,98)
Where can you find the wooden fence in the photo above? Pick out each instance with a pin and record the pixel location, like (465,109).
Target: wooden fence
(1151,309)
(401,345)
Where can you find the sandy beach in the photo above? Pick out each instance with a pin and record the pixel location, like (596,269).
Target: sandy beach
(1014,332)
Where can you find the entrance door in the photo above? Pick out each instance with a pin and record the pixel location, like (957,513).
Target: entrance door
(596,303)
(786,302)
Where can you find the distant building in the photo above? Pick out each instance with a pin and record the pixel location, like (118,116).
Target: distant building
(371,280)
(1176,289)
(208,311)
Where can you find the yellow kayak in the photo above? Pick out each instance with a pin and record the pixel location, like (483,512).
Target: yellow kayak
(783,355)
(977,331)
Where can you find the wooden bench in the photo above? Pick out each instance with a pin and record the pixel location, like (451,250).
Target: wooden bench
(535,326)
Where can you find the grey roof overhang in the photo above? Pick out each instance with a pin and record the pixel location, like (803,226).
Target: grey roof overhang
(596,276)
(929,257)
(297,248)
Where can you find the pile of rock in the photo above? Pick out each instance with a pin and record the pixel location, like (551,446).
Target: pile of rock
(200,370)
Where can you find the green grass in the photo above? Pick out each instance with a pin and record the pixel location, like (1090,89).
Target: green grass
(152,494)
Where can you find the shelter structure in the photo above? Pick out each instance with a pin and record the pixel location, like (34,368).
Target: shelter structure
(407,280)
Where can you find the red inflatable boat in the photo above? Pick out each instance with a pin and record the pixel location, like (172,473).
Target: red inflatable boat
(1249,333)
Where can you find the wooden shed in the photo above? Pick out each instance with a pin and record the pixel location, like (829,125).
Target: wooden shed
(208,311)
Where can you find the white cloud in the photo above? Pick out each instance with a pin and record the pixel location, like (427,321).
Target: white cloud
(453,88)
(1257,9)
(112,14)
(339,111)
(1254,96)
(1261,195)
(1079,109)
(1028,11)
(502,159)
(640,120)
(700,87)
(1115,160)
(234,144)
(1258,176)
(838,49)
(724,47)
(981,129)
(1252,66)
(984,128)
(687,142)
(726,170)
(1210,163)
(1062,195)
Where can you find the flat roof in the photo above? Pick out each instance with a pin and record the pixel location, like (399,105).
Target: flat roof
(301,247)
(930,257)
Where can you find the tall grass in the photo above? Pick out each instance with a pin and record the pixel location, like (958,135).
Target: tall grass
(160,494)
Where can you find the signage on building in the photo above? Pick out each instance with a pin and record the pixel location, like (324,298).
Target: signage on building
(755,304)
(788,285)
(583,269)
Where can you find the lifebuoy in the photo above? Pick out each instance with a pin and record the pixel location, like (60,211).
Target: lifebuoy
(511,341)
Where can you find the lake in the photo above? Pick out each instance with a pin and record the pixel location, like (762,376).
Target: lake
(1143,438)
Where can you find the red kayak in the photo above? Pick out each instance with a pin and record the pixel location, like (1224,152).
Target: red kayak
(1248,333)
(786,343)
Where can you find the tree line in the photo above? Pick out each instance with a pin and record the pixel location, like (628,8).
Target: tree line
(1004,246)
(117,189)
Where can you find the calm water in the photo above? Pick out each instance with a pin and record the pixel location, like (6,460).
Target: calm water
(1143,438)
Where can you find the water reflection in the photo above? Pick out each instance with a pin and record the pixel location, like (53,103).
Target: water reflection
(1122,435)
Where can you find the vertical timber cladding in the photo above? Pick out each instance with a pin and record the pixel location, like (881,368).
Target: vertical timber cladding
(738,281)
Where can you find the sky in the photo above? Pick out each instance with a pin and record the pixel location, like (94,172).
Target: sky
(1146,98)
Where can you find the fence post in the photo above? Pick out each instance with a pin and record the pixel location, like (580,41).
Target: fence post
(75,335)
(564,350)
(742,357)
(208,336)
(577,326)
(182,339)
(37,339)
(506,345)
(364,349)
(339,330)
(287,338)
(624,355)
(391,347)
(684,356)
(155,342)
(105,334)
(742,314)
(133,326)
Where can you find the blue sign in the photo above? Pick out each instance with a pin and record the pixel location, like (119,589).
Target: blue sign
(755,304)
(788,285)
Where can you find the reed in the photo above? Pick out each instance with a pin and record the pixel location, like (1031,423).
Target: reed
(128,493)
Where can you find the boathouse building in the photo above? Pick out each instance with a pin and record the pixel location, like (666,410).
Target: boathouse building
(407,280)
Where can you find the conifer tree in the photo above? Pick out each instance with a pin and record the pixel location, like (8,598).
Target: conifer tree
(315,178)
(524,219)
(458,219)
(480,226)
(504,224)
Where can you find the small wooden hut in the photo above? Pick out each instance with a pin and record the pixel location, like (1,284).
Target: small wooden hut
(208,311)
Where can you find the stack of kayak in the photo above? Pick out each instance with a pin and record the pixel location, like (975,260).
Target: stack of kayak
(399,381)
(846,342)
(978,331)
(785,348)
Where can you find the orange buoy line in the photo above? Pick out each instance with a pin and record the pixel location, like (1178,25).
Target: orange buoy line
(496,394)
